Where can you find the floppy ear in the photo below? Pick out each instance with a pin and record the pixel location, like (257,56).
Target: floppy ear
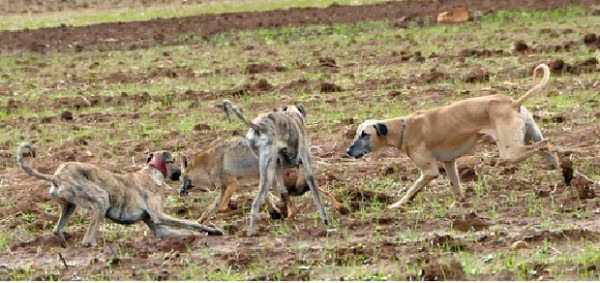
(301,109)
(150,155)
(381,129)
(166,155)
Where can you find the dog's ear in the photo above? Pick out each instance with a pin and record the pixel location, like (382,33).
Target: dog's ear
(167,155)
(150,155)
(382,129)
(301,109)
(184,162)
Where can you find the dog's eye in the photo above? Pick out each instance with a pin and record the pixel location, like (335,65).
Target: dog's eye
(285,108)
(364,135)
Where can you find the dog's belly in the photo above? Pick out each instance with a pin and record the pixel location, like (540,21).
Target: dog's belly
(126,215)
(449,155)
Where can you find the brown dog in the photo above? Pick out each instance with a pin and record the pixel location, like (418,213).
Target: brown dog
(229,163)
(446,133)
(122,198)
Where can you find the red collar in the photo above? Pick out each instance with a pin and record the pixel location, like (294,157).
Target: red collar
(159,164)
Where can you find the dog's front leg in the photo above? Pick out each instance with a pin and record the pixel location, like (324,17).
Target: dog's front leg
(310,180)
(289,206)
(429,171)
(452,173)
(214,206)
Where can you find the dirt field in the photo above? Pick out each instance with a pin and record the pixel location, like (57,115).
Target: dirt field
(109,93)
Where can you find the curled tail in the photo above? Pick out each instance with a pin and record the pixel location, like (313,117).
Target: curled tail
(227,105)
(29,170)
(538,87)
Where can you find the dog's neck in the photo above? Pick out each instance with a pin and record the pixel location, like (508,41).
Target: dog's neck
(159,164)
(396,129)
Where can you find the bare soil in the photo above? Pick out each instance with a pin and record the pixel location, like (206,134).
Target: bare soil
(303,246)
(176,31)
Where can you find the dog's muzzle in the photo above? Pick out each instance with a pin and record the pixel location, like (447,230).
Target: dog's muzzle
(350,151)
(175,175)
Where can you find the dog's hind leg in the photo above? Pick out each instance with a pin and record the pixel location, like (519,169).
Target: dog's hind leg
(67,210)
(162,231)
(161,218)
(452,173)
(98,212)
(314,189)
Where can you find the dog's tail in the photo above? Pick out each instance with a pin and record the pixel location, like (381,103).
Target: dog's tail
(29,170)
(538,87)
(227,105)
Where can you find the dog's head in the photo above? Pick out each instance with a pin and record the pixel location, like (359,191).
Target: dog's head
(369,136)
(296,111)
(163,161)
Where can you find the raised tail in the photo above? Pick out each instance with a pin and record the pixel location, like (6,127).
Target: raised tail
(538,87)
(227,105)
(29,170)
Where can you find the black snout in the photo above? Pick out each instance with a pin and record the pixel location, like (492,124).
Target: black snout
(175,174)
(352,152)
(185,187)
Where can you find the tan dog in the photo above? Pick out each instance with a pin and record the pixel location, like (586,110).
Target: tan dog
(122,198)
(229,163)
(446,133)
(269,135)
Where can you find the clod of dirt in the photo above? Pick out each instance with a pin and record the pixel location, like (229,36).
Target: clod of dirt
(558,66)
(201,127)
(585,66)
(476,224)
(263,84)
(327,62)
(585,186)
(590,39)
(447,242)
(596,13)
(67,115)
(518,245)
(454,15)
(567,170)
(435,271)
(520,46)
(368,196)
(476,74)
(330,87)
(555,119)
(256,68)
(433,76)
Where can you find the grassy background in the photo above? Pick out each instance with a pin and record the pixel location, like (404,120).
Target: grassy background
(364,52)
